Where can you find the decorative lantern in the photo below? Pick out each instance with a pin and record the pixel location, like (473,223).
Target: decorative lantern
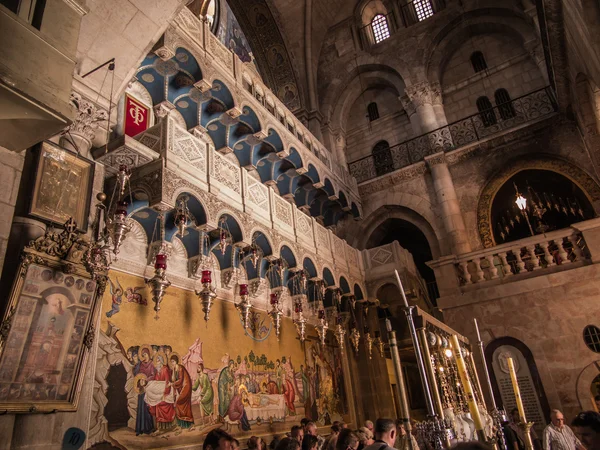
(352,301)
(224,235)
(340,332)
(159,282)
(322,326)
(122,179)
(276,313)
(244,306)
(303,281)
(182,216)
(118,226)
(368,342)
(379,343)
(207,294)
(355,337)
(300,321)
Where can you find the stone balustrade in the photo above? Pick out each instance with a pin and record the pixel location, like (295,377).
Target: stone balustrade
(532,256)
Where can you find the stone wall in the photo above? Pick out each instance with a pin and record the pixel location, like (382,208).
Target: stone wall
(10,177)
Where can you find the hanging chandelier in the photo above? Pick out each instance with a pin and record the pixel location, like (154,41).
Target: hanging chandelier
(300,320)
(207,294)
(379,344)
(354,337)
(339,331)
(322,325)
(182,216)
(368,342)
(117,224)
(244,306)
(276,313)
(225,239)
(159,282)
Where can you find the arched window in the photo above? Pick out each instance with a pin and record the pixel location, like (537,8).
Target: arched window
(423,9)
(478,62)
(382,157)
(591,336)
(380,27)
(372,111)
(486,111)
(504,104)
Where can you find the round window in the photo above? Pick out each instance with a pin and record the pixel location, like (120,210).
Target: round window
(591,336)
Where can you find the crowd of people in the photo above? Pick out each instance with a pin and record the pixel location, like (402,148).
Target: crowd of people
(389,434)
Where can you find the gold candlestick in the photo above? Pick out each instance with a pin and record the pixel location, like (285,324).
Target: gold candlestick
(526,426)
(468,388)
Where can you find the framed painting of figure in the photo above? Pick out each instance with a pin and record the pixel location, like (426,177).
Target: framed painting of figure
(47,330)
(63,184)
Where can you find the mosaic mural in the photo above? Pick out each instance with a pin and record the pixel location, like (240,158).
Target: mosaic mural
(170,381)
(231,35)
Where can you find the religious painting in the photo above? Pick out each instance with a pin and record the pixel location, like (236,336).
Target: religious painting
(231,35)
(44,352)
(63,186)
(137,116)
(170,381)
(289,95)
(276,56)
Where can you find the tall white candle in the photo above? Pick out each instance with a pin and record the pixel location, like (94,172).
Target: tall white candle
(401,289)
(477,329)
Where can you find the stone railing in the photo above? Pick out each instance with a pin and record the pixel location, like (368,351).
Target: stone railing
(530,107)
(538,254)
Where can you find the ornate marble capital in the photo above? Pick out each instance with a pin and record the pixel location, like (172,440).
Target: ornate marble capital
(88,117)
(407,105)
(163,109)
(419,94)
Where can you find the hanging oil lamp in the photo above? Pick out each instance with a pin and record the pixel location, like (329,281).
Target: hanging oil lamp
(244,306)
(322,326)
(352,301)
(340,332)
(159,282)
(300,321)
(379,344)
(224,235)
(368,342)
(355,337)
(182,216)
(207,294)
(302,281)
(118,226)
(276,313)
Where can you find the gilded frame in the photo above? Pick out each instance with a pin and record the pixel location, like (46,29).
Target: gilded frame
(55,200)
(47,330)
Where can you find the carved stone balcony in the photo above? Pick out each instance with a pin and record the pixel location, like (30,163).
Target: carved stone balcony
(486,124)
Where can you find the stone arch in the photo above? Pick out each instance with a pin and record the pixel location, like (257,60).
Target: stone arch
(235,216)
(196,198)
(292,249)
(584,381)
(530,162)
(588,104)
(269,239)
(448,37)
(424,220)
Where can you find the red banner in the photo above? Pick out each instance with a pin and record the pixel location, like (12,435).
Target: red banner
(136,116)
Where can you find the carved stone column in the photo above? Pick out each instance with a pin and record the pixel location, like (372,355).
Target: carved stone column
(438,104)
(89,120)
(411,112)
(447,199)
(340,149)
(420,95)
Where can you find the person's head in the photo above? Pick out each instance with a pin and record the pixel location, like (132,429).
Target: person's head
(369,425)
(303,422)
(514,415)
(385,430)
(200,368)
(217,439)
(597,401)
(173,361)
(310,428)
(288,444)
(276,440)
(400,429)
(347,440)
(365,436)
(297,433)
(310,442)
(254,443)
(557,418)
(587,427)
(145,354)
(335,429)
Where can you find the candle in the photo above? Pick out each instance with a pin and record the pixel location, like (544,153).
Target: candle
(243,289)
(274,299)
(466,383)
(477,329)
(401,289)
(515,383)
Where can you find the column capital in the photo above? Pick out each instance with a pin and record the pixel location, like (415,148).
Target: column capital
(435,159)
(419,93)
(436,93)
(408,106)
(87,120)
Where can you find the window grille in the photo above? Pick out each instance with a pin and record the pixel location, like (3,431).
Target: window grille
(478,62)
(486,111)
(591,336)
(423,9)
(372,111)
(504,104)
(380,27)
